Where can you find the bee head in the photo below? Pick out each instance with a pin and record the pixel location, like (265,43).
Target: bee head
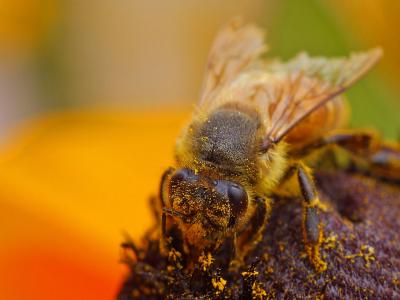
(210,203)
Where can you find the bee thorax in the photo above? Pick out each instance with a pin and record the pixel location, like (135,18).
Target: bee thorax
(227,139)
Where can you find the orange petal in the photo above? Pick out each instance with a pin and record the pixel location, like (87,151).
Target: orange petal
(68,188)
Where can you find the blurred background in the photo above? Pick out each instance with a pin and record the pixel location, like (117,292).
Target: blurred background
(57,55)
(92,95)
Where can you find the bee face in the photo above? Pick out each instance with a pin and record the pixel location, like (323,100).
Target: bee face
(204,205)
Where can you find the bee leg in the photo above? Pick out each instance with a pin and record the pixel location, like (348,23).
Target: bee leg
(369,153)
(232,251)
(259,218)
(385,162)
(131,246)
(255,224)
(162,194)
(164,228)
(234,245)
(311,225)
(359,142)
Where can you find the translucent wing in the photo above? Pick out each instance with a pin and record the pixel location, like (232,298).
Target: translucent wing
(304,84)
(287,92)
(235,47)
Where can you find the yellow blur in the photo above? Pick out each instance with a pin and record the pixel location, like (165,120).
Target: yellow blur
(69,187)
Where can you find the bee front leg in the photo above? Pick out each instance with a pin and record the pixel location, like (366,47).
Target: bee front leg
(252,235)
(312,227)
(129,245)
(231,249)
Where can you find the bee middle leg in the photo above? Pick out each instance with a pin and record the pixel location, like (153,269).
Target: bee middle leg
(311,225)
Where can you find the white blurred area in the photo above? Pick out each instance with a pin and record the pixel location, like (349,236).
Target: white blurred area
(102,53)
(143,51)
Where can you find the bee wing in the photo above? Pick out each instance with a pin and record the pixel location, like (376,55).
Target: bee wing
(305,84)
(235,48)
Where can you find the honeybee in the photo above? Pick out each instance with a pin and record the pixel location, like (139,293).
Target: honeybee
(251,133)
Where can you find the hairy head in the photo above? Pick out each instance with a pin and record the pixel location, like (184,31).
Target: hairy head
(206,207)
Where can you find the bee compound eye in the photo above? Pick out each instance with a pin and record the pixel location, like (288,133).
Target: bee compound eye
(238,199)
(181,175)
